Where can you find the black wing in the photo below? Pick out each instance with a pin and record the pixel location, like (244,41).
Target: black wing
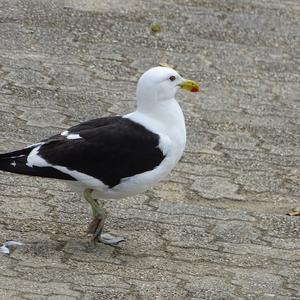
(108,149)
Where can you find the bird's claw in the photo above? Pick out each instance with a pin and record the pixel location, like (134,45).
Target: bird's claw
(95,228)
(111,240)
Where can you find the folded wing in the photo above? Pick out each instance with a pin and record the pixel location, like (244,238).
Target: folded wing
(107,149)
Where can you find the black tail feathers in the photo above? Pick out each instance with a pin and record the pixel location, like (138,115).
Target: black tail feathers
(18,153)
(16,162)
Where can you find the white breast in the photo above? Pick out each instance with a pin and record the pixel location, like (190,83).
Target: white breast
(170,127)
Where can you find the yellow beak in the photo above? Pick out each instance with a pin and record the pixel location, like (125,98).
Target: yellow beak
(191,86)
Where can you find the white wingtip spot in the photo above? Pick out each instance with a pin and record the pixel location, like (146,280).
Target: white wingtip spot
(70,136)
(13,164)
(65,133)
(73,136)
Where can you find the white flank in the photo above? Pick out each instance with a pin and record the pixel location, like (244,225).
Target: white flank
(84,178)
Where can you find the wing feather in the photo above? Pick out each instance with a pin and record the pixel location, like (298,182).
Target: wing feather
(108,149)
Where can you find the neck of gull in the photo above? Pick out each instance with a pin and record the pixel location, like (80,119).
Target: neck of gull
(162,117)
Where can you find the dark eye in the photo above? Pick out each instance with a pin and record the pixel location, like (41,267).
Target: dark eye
(172,78)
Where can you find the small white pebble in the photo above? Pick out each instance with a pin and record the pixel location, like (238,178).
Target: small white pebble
(5,247)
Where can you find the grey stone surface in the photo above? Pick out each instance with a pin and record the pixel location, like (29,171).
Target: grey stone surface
(217,228)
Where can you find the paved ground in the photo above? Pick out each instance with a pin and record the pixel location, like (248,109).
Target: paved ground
(217,228)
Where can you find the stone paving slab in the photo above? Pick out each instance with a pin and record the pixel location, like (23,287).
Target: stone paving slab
(217,228)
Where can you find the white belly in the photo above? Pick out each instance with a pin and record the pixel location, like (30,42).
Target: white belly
(142,182)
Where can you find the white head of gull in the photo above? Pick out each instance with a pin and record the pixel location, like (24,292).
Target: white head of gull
(157,108)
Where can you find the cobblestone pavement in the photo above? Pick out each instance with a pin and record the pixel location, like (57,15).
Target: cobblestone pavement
(217,228)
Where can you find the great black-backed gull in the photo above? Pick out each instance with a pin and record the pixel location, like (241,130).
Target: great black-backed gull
(115,156)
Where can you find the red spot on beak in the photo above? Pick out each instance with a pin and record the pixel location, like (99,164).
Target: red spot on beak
(194,90)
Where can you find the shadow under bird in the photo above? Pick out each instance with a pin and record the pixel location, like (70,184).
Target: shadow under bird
(114,157)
